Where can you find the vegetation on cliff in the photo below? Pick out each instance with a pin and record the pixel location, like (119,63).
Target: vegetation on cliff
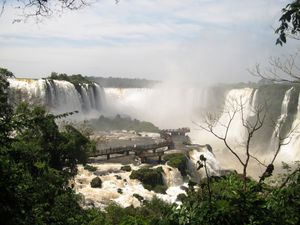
(75,79)
(177,160)
(152,179)
(121,123)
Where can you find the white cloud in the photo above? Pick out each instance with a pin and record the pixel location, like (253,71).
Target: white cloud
(202,40)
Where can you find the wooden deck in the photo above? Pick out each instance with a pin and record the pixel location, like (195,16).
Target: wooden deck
(139,150)
(179,131)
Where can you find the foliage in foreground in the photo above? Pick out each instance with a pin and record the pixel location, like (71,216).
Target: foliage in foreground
(230,204)
(36,162)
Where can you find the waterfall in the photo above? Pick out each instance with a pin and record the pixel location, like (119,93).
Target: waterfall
(213,166)
(291,150)
(235,98)
(172,176)
(168,106)
(252,103)
(57,95)
(65,97)
(283,115)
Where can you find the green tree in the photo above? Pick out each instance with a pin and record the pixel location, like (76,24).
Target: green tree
(5,107)
(229,204)
(289,22)
(36,162)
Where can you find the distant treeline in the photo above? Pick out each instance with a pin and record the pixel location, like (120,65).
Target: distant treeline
(75,79)
(117,82)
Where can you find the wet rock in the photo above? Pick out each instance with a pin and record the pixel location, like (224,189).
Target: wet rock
(184,188)
(138,197)
(209,148)
(191,183)
(181,197)
(101,173)
(96,182)
(89,203)
(118,177)
(126,168)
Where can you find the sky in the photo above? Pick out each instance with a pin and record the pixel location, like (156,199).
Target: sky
(201,41)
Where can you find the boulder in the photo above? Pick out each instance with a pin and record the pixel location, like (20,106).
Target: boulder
(140,198)
(118,177)
(126,168)
(96,182)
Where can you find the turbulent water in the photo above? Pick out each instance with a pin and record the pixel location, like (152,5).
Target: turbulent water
(118,188)
(213,166)
(284,112)
(291,150)
(58,96)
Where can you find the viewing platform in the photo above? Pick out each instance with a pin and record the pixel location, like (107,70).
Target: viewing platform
(141,150)
(173,132)
(142,146)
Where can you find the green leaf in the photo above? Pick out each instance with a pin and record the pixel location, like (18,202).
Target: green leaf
(40,165)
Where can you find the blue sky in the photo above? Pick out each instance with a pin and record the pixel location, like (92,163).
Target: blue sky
(197,40)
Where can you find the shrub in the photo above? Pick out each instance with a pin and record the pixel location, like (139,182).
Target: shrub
(90,168)
(126,168)
(177,160)
(151,179)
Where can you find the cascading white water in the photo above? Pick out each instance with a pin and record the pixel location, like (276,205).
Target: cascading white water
(235,99)
(58,96)
(252,103)
(213,166)
(291,150)
(117,186)
(65,97)
(283,114)
(172,176)
(26,89)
